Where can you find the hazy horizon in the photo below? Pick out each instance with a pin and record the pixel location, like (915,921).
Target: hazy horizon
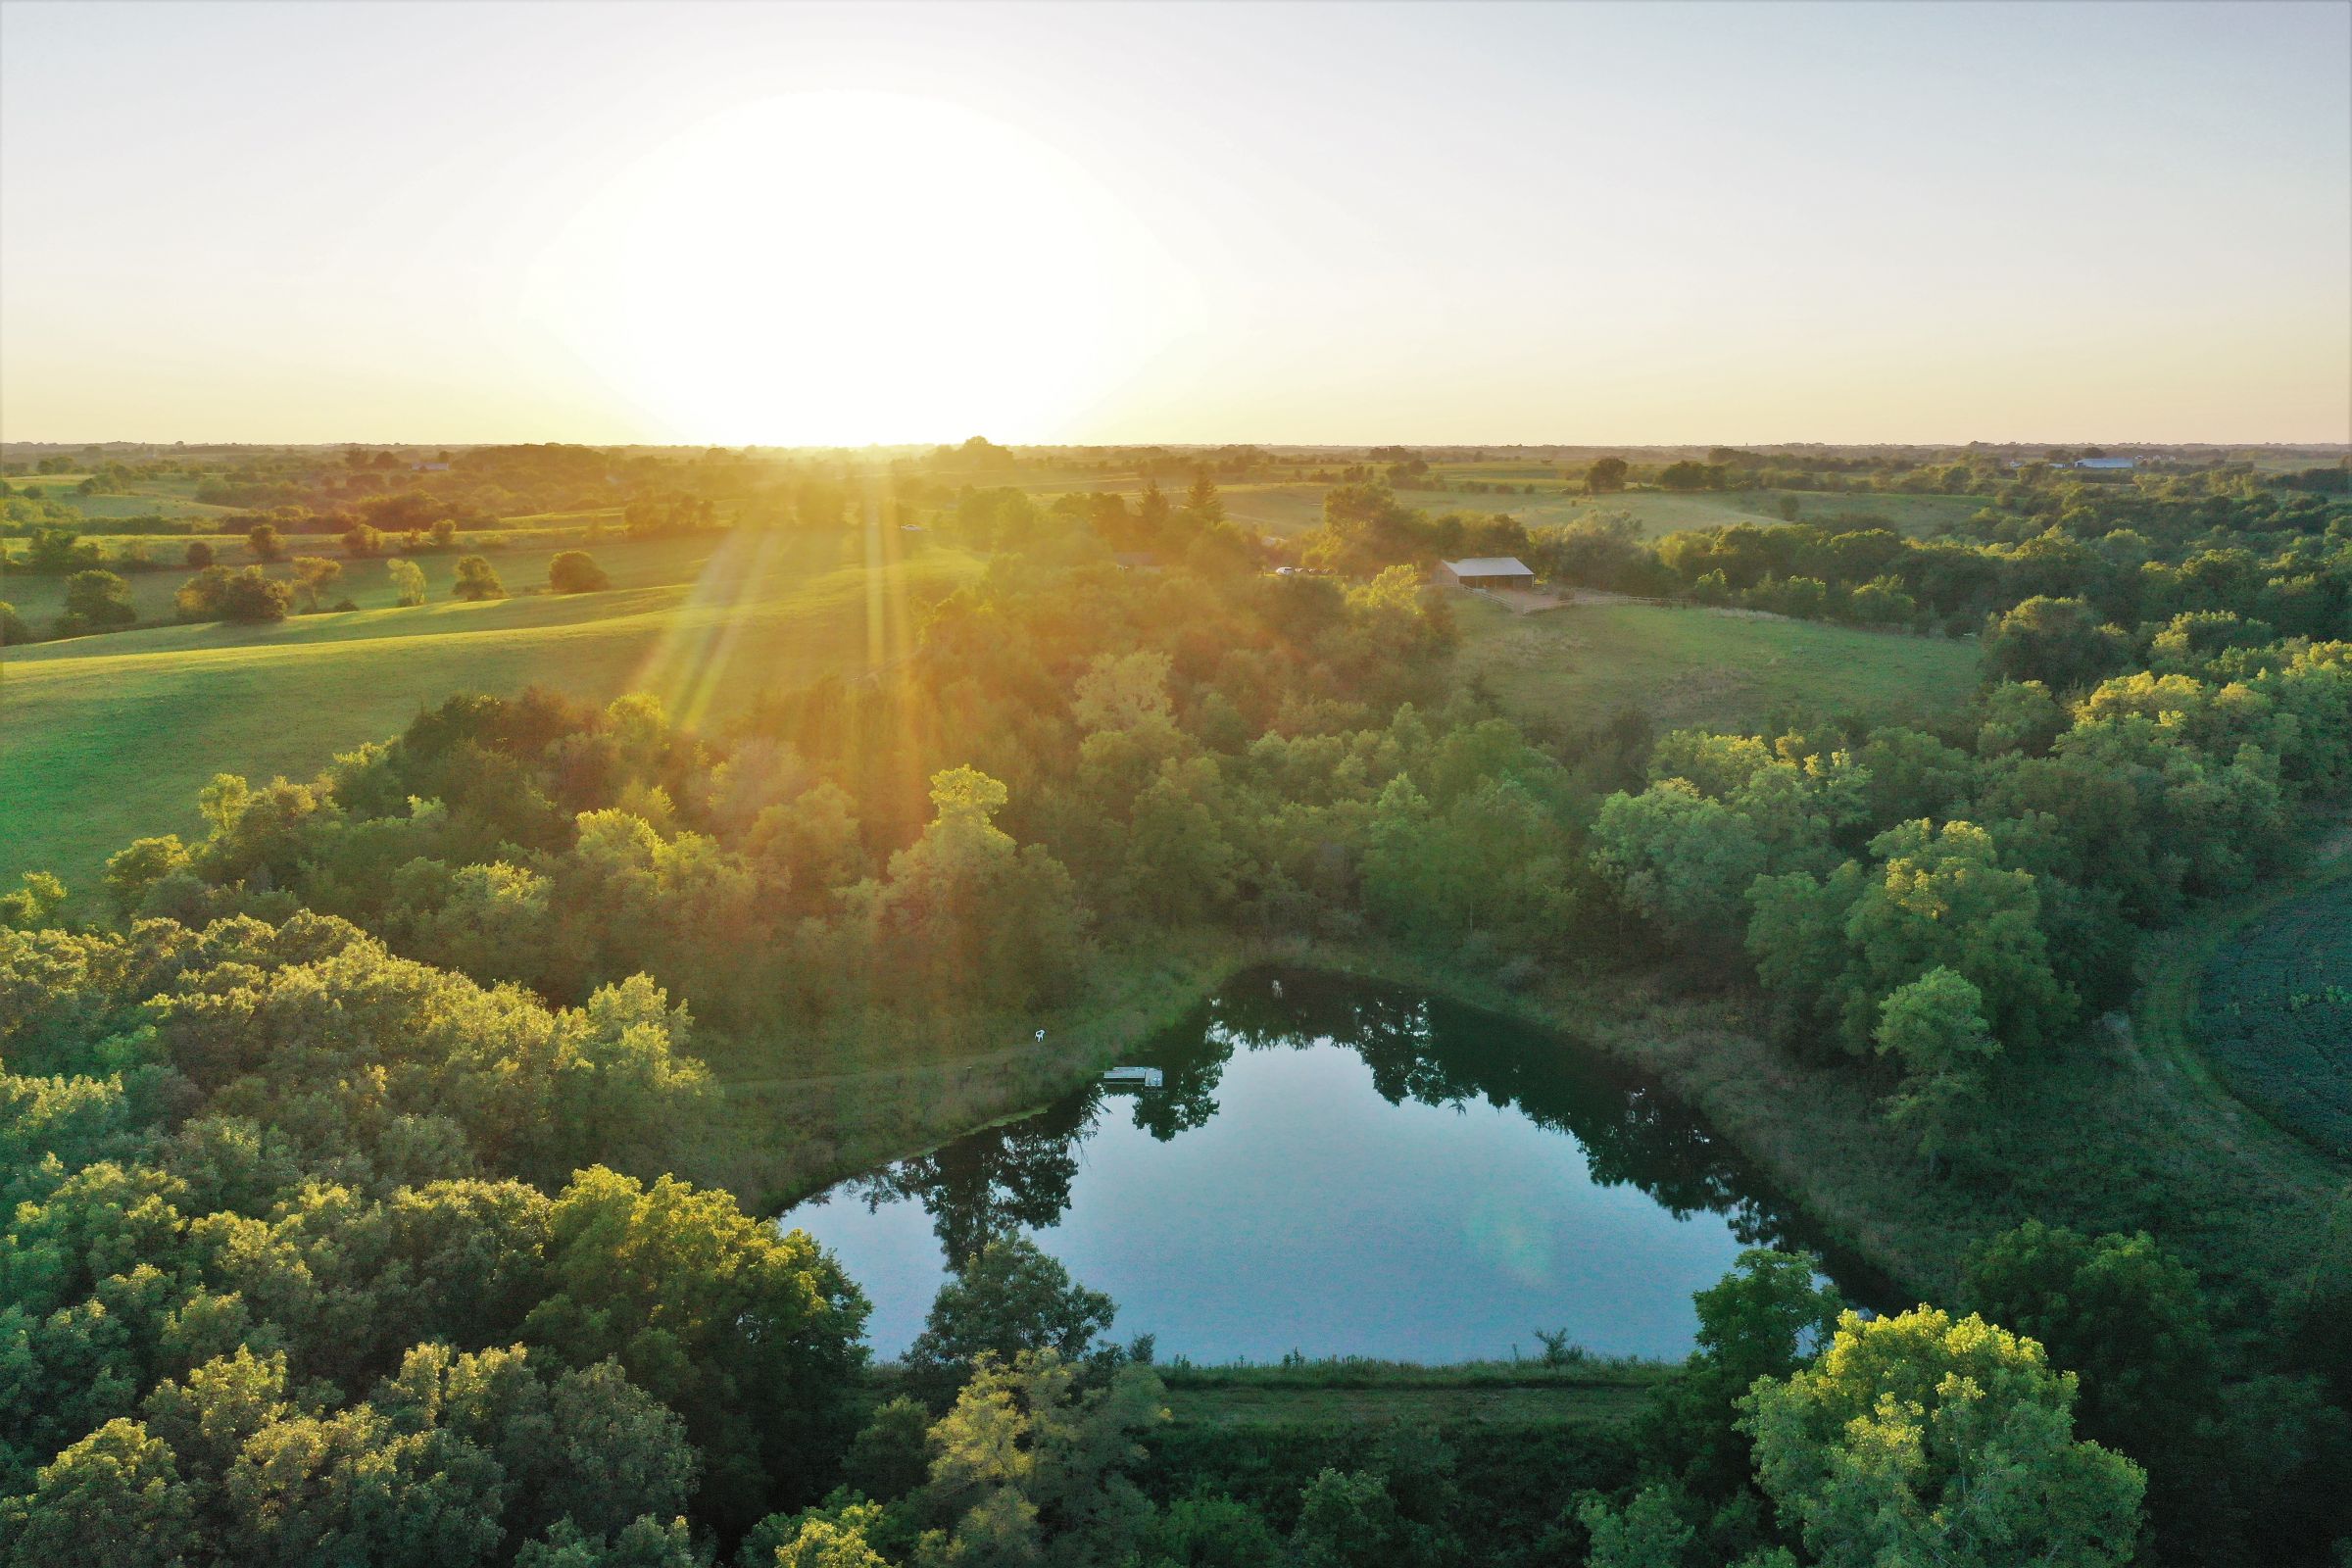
(1696,444)
(1493,225)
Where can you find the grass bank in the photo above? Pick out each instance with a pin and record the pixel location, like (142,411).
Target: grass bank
(2104,1136)
(1353,1393)
(791,1118)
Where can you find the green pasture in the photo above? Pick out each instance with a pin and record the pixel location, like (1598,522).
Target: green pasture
(1574,666)
(104,739)
(520,556)
(173,496)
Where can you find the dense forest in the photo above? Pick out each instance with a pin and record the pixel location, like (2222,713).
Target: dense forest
(359,1153)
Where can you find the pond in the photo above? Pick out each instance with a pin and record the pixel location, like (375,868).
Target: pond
(1337,1167)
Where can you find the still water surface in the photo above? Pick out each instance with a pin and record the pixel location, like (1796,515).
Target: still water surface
(1336,1167)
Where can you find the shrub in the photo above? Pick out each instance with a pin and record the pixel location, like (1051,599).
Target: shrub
(575,571)
(200,554)
(12,627)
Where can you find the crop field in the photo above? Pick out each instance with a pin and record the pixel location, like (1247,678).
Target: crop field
(105,738)
(1574,666)
(2276,1015)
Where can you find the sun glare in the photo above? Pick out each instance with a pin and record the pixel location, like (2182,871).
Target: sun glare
(845,267)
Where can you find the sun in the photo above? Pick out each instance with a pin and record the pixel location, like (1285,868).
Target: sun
(828,268)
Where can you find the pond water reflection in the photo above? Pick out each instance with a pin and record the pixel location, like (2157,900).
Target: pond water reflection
(1336,1167)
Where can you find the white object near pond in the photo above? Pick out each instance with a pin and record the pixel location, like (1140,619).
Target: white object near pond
(1132,1078)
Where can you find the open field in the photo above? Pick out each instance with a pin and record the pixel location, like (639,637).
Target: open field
(103,739)
(173,496)
(2274,1011)
(1295,506)
(1574,666)
(520,556)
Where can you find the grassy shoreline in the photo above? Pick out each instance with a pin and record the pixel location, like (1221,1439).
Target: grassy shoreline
(2219,1182)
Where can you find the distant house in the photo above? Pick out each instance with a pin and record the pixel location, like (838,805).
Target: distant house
(429,467)
(1487,572)
(1136,561)
(2106,463)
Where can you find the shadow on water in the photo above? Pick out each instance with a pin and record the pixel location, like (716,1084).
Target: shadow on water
(1419,1050)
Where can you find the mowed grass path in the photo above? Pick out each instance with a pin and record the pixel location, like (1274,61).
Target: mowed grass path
(106,738)
(1574,666)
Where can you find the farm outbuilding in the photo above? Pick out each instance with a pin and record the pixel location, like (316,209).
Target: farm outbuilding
(1487,572)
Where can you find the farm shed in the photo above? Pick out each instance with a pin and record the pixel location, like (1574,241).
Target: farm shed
(1487,572)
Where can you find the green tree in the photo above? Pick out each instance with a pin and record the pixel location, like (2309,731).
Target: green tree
(1210,1531)
(248,597)
(1918,1439)
(316,574)
(1346,1519)
(967,914)
(98,600)
(1606,476)
(1685,860)
(1648,1533)
(112,1501)
(645,1543)
(748,1333)
(575,571)
(1935,1027)
(1029,1468)
(1008,1298)
(407,581)
(477,580)
(199,555)
(1760,1320)
(33,903)
(2058,642)
(832,1538)
(2120,1313)
(263,543)
(890,1458)
(1202,500)
(1940,897)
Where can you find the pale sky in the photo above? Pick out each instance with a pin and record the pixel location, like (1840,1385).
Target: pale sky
(741,223)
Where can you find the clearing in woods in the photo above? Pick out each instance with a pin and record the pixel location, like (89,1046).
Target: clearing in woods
(1574,667)
(109,737)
